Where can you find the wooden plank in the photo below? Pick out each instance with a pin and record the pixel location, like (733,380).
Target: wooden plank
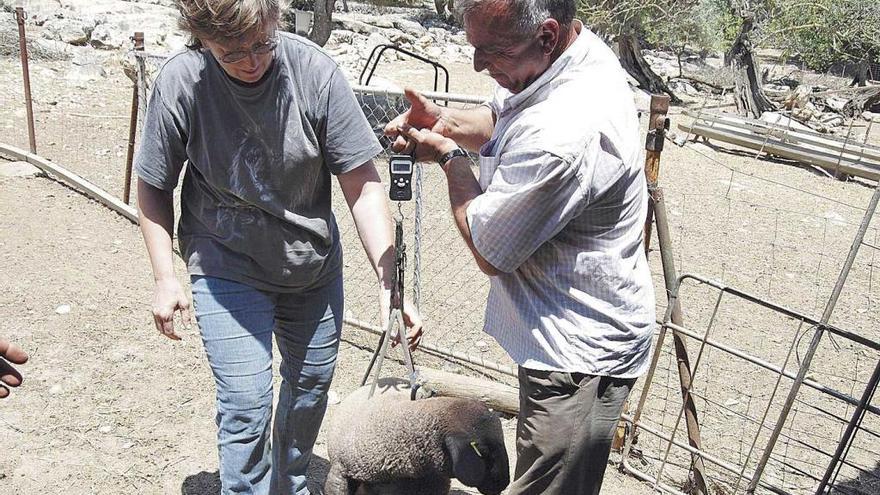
(73,180)
(498,396)
(775,147)
(828,162)
(854,152)
(798,134)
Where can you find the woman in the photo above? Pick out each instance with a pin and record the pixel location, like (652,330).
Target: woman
(263,118)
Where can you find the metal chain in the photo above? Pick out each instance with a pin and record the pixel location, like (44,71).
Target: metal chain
(417,241)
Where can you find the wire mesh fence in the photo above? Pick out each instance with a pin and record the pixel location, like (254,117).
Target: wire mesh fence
(766,229)
(80,119)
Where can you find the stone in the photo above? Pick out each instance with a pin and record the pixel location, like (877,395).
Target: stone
(18,169)
(73,31)
(411,28)
(109,37)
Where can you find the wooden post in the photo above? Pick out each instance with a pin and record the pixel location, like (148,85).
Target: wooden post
(26,76)
(138,39)
(657,127)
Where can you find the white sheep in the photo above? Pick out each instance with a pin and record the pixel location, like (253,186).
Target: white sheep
(390,445)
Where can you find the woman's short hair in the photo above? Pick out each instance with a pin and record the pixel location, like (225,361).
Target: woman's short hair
(225,20)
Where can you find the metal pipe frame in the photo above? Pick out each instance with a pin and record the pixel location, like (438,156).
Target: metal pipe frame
(817,336)
(705,341)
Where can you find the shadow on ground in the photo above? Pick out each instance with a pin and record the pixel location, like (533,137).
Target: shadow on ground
(205,483)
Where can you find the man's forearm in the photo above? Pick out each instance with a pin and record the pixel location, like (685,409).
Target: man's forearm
(469,127)
(463,188)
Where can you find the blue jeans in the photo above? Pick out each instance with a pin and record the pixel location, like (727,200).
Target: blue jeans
(237,323)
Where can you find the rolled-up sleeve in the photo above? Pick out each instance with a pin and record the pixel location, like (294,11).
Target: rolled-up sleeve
(532,195)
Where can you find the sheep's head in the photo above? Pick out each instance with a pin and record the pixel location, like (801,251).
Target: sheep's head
(478,455)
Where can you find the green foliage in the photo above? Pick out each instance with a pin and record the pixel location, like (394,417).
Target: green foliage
(824,32)
(702,24)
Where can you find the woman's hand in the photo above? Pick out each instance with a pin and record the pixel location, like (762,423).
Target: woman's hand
(169,298)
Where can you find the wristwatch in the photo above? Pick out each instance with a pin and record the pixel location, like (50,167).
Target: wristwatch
(449,156)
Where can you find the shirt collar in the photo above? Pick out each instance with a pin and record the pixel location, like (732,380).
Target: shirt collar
(572,55)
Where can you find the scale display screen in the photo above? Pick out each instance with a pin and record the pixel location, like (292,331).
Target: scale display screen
(401,167)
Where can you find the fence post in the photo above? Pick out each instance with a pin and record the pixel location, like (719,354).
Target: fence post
(657,127)
(26,76)
(138,39)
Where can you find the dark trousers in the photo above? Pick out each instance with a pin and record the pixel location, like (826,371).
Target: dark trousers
(564,430)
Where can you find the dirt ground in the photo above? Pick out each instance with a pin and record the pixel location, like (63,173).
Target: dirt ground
(108,406)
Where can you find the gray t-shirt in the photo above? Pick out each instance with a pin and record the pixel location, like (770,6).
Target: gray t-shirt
(255,203)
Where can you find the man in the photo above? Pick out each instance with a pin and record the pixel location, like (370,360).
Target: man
(556,221)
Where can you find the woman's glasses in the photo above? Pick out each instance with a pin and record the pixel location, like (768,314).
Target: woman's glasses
(258,49)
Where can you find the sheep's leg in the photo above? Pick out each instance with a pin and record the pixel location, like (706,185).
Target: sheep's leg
(336,483)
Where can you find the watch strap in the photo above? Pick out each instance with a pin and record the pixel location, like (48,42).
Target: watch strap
(450,155)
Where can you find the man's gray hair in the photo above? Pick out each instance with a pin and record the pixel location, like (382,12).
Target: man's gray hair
(526,15)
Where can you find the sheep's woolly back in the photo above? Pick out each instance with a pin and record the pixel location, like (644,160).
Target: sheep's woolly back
(388,436)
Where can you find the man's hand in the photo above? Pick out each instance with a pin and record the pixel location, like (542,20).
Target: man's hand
(429,145)
(9,376)
(423,114)
(168,299)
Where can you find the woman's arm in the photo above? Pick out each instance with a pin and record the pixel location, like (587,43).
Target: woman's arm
(156,214)
(365,195)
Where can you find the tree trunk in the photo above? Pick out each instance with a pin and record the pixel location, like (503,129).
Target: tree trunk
(323,21)
(860,79)
(634,63)
(748,94)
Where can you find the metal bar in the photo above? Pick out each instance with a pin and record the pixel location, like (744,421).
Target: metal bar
(817,336)
(26,78)
(673,312)
(783,310)
(138,39)
(451,97)
(704,455)
(381,49)
(767,409)
(848,434)
(764,364)
(686,394)
(681,353)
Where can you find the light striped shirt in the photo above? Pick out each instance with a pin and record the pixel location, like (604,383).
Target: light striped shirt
(561,214)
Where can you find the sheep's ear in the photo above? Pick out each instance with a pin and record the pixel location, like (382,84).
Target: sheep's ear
(468,464)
